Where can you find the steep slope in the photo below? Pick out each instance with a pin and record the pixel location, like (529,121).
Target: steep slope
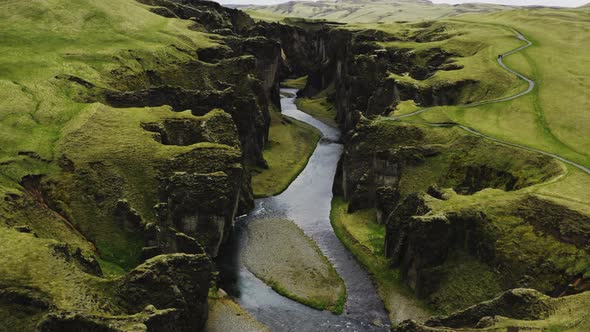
(458,209)
(127,132)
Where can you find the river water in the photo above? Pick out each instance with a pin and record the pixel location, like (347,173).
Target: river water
(307,202)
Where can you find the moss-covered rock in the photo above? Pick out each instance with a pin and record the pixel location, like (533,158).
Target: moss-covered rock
(527,304)
(428,186)
(119,171)
(175,281)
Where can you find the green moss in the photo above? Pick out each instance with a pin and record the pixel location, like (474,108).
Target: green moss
(56,274)
(319,108)
(466,281)
(110,270)
(113,157)
(570,313)
(290,145)
(295,83)
(361,234)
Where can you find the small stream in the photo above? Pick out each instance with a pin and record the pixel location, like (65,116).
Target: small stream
(307,202)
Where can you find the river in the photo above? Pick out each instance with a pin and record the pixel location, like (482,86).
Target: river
(307,202)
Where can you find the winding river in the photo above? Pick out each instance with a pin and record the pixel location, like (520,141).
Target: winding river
(307,202)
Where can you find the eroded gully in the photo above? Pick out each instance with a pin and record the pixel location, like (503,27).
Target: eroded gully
(307,202)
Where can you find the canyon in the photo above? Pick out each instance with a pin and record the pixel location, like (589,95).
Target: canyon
(137,208)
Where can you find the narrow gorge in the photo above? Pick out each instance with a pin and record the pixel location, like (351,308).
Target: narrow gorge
(132,190)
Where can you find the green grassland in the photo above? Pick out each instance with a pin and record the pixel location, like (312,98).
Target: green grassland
(80,157)
(474,54)
(554,115)
(556,62)
(319,107)
(367,11)
(552,118)
(41,40)
(43,121)
(290,144)
(520,243)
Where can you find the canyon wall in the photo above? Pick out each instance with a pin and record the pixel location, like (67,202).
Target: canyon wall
(153,202)
(409,172)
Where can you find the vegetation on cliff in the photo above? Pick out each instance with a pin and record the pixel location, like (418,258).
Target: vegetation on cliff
(493,195)
(465,217)
(290,144)
(365,238)
(319,107)
(120,175)
(129,131)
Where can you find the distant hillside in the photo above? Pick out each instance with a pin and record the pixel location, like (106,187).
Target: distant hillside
(369,11)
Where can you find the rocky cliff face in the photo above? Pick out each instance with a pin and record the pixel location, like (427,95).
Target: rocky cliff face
(200,191)
(519,304)
(157,200)
(411,174)
(358,71)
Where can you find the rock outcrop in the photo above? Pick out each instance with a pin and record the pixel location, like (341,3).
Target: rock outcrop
(418,242)
(359,71)
(145,186)
(364,79)
(525,304)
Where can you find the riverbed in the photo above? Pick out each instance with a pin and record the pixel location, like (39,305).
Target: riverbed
(307,202)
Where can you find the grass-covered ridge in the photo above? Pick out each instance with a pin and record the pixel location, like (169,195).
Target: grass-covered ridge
(42,40)
(551,116)
(91,157)
(523,224)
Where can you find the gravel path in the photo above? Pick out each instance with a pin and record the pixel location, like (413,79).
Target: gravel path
(531,86)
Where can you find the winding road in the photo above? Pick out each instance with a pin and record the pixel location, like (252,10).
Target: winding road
(531,86)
